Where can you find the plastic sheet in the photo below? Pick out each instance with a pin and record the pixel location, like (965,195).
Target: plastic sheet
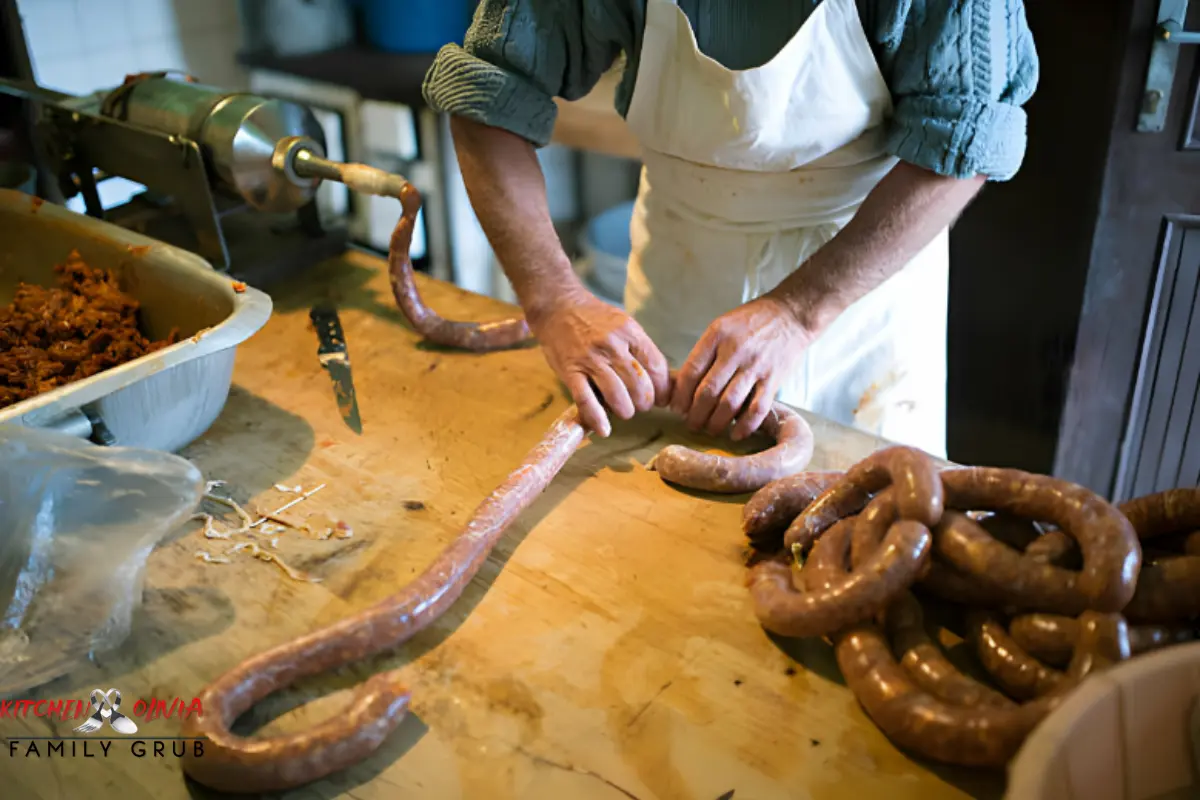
(77,523)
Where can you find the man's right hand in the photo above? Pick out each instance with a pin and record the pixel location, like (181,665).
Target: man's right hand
(599,352)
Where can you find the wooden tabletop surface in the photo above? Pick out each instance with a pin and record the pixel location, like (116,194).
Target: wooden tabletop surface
(607,649)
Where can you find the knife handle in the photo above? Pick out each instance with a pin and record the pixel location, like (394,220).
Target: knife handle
(330,337)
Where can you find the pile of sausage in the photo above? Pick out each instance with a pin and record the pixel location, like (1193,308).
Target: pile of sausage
(1052,583)
(237,764)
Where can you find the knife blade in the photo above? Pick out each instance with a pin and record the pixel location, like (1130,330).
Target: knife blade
(332,353)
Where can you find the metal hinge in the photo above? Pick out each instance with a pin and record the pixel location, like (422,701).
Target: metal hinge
(1169,36)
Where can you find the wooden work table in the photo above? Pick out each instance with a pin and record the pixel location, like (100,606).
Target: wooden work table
(607,650)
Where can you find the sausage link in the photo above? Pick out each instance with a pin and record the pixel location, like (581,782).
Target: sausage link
(478,337)
(1047,637)
(709,472)
(860,594)
(927,665)
(828,564)
(1021,582)
(1191,545)
(1055,548)
(1112,554)
(1051,638)
(1163,513)
(1102,642)
(1019,674)
(913,475)
(946,583)
(978,736)
(773,507)
(1168,591)
(234,763)
(871,526)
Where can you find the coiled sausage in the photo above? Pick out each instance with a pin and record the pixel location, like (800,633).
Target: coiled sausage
(1051,637)
(1111,551)
(709,472)
(844,599)
(1019,674)
(1168,589)
(772,508)
(984,736)
(928,666)
(912,474)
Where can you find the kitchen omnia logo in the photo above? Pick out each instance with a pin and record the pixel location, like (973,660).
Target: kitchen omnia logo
(104,706)
(102,715)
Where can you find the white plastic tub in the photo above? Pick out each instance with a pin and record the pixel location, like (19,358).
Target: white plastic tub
(1125,734)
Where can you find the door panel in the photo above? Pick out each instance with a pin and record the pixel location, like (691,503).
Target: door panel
(1191,139)
(1156,453)
(1121,370)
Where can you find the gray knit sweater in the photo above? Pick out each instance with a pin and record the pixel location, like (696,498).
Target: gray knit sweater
(959,70)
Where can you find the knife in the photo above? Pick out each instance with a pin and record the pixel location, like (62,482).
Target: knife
(331,351)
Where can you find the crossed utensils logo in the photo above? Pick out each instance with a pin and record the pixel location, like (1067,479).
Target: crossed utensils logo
(104,709)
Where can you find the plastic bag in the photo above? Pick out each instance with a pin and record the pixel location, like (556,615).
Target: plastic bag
(77,523)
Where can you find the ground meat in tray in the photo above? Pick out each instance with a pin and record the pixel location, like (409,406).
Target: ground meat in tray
(52,337)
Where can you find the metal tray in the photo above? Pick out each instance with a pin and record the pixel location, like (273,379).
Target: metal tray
(162,401)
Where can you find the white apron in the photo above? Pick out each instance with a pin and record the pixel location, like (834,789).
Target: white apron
(746,174)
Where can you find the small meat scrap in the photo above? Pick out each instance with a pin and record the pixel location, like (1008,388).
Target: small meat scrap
(52,337)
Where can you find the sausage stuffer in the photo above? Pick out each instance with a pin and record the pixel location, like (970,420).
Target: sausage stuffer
(231,176)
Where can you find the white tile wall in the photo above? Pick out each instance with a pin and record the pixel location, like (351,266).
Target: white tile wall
(81,46)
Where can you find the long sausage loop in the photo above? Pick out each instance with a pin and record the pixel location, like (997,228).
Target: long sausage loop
(237,764)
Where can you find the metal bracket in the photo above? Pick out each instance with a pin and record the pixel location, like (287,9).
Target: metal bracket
(1169,36)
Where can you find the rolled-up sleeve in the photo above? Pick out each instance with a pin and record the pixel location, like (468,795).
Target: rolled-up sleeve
(961,73)
(517,56)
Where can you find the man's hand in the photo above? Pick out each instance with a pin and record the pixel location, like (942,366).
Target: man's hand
(738,367)
(594,346)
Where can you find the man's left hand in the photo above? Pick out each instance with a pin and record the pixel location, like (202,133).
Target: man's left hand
(738,366)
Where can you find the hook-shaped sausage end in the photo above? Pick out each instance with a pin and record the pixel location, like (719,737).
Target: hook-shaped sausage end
(230,763)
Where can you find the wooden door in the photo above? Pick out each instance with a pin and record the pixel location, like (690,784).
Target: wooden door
(1131,420)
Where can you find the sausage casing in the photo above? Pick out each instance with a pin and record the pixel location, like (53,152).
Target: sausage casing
(1111,551)
(233,763)
(773,507)
(478,337)
(710,472)
(927,665)
(1018,673)
(912,475)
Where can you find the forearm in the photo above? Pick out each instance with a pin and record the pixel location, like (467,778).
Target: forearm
(506,187)
(898,219)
